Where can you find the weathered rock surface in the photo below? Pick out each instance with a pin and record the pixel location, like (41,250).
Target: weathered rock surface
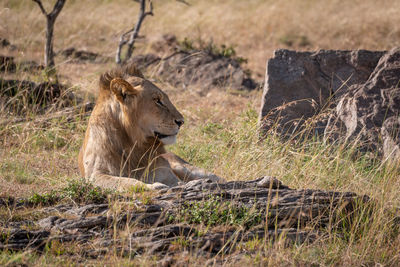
(197,69)
(390,132)
(370,111)
(276,212)
(289,118)
(348,95)
(320,75)
(317,78)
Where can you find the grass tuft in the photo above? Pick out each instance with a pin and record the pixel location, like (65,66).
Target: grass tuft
(79,191)
(214,211)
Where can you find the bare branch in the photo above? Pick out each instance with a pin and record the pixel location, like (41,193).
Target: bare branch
(122,42)
(128,32)
(39,2)
(150,12)
(57,8)
(134,33)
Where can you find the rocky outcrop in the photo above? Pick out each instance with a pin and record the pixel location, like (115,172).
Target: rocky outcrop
(311,82)
(175,219)
(289,118)
(197,70)
(345,95)
(370,111)
(201,69)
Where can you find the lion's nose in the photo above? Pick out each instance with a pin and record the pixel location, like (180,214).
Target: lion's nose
(179,122)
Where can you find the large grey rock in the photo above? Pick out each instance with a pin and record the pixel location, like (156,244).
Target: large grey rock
(289,118)
(347,95)
(320,77)
(369,112)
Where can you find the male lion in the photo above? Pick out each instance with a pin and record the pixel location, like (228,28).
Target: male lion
(129,126)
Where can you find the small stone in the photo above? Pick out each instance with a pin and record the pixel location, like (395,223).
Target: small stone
(269,182)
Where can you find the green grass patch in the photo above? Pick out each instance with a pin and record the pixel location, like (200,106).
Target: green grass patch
(79,191)
(18,172)
(214,211)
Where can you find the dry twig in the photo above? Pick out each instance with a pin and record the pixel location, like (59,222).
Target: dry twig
(134,32)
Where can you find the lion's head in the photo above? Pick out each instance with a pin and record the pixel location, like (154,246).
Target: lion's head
(146,110)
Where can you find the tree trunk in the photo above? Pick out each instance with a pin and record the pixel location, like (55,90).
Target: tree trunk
(48,50)
(50,19)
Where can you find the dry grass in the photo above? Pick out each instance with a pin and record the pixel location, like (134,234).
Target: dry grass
(256,27)
(220,131)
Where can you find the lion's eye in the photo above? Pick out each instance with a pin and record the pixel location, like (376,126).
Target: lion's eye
(158,102)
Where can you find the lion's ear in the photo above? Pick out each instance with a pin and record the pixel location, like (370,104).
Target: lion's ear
(121,88)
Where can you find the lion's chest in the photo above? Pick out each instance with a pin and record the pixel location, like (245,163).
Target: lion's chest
(137,162)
